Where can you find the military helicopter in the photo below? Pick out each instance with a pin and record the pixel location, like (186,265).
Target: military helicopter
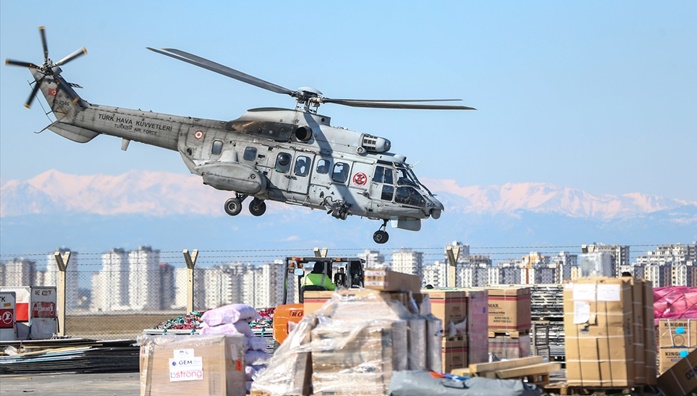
(292,156)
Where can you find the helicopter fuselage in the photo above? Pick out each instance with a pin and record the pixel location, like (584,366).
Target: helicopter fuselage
(283,155)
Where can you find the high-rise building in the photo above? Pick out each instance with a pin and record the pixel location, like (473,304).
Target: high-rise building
(144,278)
(167,286)
(373,259)
(564,261)
(110,284)
(434,274)
(20,272)
(407,261)
(504,274)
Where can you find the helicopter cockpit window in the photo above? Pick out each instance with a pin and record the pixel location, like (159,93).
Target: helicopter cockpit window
(405,178)
(250,153)
(383,175)
(340,172)
(323,166)
(302,166)
(283,162)
(217,147)
(409,196)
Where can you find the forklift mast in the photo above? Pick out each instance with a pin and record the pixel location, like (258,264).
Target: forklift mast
(298,266)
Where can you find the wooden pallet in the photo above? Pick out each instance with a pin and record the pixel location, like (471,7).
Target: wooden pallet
(531,369)
(509,333)
(564,389)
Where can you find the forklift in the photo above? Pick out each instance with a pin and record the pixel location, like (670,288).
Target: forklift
(297,267)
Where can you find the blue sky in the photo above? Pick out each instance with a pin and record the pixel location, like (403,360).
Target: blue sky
(593,95)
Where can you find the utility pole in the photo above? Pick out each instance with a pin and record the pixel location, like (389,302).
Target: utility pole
(62,261)
(190,265)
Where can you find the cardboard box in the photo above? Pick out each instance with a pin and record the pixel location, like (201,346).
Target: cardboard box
(387,280)
(363,357)
(681,378)
(315,300)
(192,365)
(667,357)
(598,328)
(448,305)
(454,354)
(649,334)
(509,309)
(677,333)
(505,347)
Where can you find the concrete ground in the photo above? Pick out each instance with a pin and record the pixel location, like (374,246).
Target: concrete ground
(110,384)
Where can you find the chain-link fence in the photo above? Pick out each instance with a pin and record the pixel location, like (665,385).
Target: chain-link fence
(119,293)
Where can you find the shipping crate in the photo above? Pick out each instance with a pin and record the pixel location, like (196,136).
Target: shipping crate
(454,354)
(677,333)
(315,300)
(509,309)
(598,326)
(387,280)
(681,378)
(667,357)
(506,347)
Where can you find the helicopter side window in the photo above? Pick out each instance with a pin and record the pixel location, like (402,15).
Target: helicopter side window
(383,175)
(217,147)
(283,162)
(404,178)
(250,153)
(302,166)
(323,166)
(340,172)
(409,196)
(387,192)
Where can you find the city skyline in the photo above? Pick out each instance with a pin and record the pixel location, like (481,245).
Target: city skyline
(153,285)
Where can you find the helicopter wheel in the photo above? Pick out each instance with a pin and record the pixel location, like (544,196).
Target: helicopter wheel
(257,207)
(381,236)
(233,206)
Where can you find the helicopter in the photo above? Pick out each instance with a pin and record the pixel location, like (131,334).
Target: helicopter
(294,156)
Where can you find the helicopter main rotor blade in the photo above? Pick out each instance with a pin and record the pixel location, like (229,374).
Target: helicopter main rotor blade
(42,30)
(72,56)
(395,104)
(37,85)
(21,64)
(221,69)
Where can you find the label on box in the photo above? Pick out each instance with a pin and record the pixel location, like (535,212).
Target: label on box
(608,292)
(186,368)
(584,291)
(582,312)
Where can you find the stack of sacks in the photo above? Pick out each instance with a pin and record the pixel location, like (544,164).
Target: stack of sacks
(235,319)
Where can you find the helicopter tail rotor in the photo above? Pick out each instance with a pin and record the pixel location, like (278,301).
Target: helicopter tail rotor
(48,68)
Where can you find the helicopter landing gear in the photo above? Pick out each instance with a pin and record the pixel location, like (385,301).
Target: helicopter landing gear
(257,207)
(233,206)
(381,236)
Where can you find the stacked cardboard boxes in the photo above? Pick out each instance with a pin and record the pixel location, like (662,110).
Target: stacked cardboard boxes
(681,378)
(353,345)
(677,338)
(509,322)
(465,324)
(605,323)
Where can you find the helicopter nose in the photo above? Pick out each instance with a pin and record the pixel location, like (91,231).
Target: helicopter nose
(437,208)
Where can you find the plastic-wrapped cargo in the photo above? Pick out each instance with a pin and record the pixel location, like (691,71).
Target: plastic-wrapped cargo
(196,364)
(352,345)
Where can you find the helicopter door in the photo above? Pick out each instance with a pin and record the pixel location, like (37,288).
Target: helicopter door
(382,184)
(281,173)
(299,181)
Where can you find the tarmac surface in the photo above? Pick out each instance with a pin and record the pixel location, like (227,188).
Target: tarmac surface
(59,384)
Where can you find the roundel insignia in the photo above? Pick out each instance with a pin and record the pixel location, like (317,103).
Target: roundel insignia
(198,134)
(360,179)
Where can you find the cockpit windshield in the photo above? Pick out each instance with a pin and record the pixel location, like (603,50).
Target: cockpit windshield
(405,177)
